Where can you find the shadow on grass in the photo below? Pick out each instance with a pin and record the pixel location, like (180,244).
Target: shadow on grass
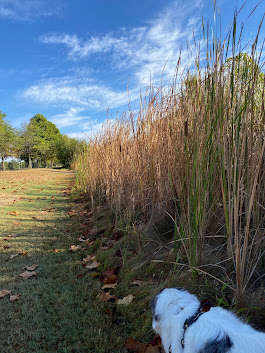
(57,310)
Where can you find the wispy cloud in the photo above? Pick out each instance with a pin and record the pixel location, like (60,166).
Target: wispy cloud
(29,10)
(143,50)
(90,129)
(70,117)
(75,91)
(139,52)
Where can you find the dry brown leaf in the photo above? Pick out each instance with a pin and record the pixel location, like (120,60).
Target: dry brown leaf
(141,283)
(88,258)
(7,246)
(31,268)
(110,279)
(109,272)
(95,274)
(105,297)
(27,274)
(155,346)
(75,248)
(10,236)
(94,264)
(110,286)
(38,218)
(89,243)
(12,256)
(126,300)
(14,297)
(4,292)
(20,253)
(12,213)
(135,346)
(52,209)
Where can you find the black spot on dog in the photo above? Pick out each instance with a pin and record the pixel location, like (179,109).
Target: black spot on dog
(217,346)
(153,305)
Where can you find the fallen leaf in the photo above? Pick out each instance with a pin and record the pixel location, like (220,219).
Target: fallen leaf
(52,209)
(155,346)
(89,243)
(12,256)
(141,283)
(12,213)
(20,253)
(126,300)
(31,268)
(110,279)
(27,274)
(135,346)
(105,297)
(55,250)
(109,272)
(88,258)
(14,297)
(7,246)
(108,312)
(4,292)
(95,274)
(94,264)
(82,239)
(17,223)
(75,248)
(10,236)
(38,218)
(110,286)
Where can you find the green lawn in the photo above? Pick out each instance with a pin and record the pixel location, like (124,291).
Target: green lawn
(57,310)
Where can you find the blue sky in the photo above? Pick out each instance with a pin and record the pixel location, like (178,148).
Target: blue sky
(70,60)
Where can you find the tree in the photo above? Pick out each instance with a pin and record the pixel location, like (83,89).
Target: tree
(67,149)
(40,138)
(7,139)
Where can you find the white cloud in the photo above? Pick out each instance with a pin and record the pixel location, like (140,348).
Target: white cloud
(75,91)
(29,10)
(89,130)
(139,52)
(69,118)
(143,50)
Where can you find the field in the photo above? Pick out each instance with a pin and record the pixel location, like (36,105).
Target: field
(56,309)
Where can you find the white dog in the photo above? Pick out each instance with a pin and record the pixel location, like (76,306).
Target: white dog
(184,327)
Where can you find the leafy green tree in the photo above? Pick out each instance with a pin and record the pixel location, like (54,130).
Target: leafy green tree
(28,144)
(7,139)
(40,138)
(47,137)
(246,79)
(67,149)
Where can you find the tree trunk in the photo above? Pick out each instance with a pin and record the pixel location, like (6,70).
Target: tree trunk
(51,163)
(30,162)
(3,163)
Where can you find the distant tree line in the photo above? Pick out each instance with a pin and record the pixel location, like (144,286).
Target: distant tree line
(37,144)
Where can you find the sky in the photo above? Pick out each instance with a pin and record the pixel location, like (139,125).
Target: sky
(78,62)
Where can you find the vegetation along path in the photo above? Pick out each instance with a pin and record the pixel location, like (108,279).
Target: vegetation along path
(52,309)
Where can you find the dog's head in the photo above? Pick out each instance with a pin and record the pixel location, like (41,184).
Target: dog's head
(170,302)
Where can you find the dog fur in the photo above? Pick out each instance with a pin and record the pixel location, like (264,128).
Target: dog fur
(215,331)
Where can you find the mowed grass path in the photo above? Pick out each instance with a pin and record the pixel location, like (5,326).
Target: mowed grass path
(57,310)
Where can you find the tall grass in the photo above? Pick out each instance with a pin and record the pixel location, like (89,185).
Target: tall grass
(195,152)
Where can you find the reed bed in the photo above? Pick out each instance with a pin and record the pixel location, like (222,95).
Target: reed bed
(194,153)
